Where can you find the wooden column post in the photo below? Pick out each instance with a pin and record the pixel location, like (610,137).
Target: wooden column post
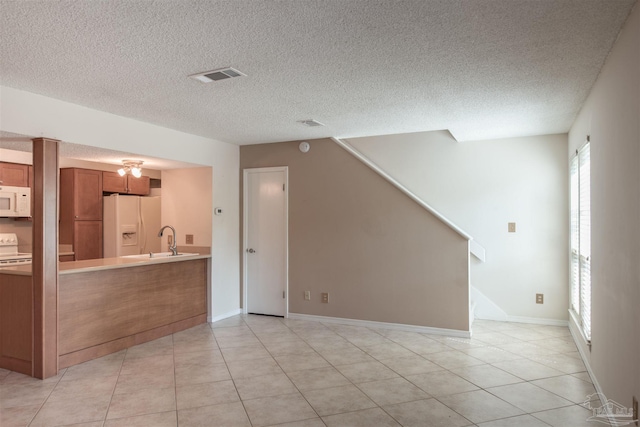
(45,257)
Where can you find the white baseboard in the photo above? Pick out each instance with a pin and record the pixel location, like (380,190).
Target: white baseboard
(577,338)
(384,325)
(521,319)
(231,313)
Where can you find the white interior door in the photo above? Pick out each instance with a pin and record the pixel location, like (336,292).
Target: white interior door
(265,237)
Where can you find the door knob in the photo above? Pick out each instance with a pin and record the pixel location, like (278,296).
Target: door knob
(251,251)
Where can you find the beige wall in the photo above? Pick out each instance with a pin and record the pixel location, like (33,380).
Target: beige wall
(611,116)
(187,204)
(380,255)
(482,186)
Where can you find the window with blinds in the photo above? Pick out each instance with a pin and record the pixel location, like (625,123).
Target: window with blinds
(580,181)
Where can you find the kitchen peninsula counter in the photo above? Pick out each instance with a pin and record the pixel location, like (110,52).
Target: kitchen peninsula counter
(71,267)
(106,305)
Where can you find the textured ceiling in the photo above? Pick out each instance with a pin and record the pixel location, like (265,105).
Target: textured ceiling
(482,69)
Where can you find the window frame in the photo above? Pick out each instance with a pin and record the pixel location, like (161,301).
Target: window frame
(580,239)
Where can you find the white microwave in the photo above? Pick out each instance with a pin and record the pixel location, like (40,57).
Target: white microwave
(15,201)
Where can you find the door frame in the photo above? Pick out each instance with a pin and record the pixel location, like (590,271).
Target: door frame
(245,220)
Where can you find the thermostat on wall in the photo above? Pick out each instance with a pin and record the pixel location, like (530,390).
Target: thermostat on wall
(217,211)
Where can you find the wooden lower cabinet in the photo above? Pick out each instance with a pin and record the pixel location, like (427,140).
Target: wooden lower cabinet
(87,239)
(16,323)
(104,311)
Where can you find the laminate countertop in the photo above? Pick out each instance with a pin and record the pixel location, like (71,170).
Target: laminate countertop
(72,267)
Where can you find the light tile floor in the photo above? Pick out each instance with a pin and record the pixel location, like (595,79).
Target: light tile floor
(265,371)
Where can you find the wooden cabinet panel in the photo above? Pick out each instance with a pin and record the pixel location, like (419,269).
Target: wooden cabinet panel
(138,186)
(87,194)
(66,258)
(14,174)
(104,306)
(16,323)
(81,211)
(112,182)
(87,242)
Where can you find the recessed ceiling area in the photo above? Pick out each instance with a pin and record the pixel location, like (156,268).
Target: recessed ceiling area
(481,69)
(14,142)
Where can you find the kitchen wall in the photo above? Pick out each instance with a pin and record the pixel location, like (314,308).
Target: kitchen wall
(186,205)
(482,186)
(25,113)
(611,116)
(23,228)
(381,256)
(9,225)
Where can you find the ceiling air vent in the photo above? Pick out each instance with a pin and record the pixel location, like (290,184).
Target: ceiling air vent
(311,123)
(217,75)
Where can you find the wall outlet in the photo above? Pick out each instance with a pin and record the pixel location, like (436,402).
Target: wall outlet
(511,227)
(307,295)
(189,239)
(325,297)
(170,239)
(635,409)
(539,298)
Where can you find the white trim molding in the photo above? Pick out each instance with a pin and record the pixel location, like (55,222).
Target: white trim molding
(538,321)
(226,315)
(475,248)
(578,339)
(382,325)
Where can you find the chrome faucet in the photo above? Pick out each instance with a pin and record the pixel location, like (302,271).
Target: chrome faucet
(173,248)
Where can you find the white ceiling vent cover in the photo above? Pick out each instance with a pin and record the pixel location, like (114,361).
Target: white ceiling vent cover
(217,75)
(311,123)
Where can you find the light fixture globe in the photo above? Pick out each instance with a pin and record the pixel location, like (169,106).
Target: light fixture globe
(131,166)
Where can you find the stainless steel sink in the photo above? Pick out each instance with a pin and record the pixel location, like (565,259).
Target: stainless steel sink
(157,255)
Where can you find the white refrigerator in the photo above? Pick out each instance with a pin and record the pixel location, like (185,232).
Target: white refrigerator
(130,225)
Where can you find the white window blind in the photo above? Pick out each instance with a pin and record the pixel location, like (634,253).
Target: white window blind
(580,178)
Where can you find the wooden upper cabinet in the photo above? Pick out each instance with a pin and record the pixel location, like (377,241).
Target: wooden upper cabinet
(14,174)
(138,186)
(112,182)
(88,194)
(80,194)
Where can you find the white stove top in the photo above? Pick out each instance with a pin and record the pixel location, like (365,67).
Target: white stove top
(9,254)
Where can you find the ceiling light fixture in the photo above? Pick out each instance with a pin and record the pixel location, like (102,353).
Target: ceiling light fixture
(131,166)
(310,123)
(217,75)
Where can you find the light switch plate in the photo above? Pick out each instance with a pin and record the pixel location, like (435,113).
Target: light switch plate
(512,227)
(189,239)
(307,295)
